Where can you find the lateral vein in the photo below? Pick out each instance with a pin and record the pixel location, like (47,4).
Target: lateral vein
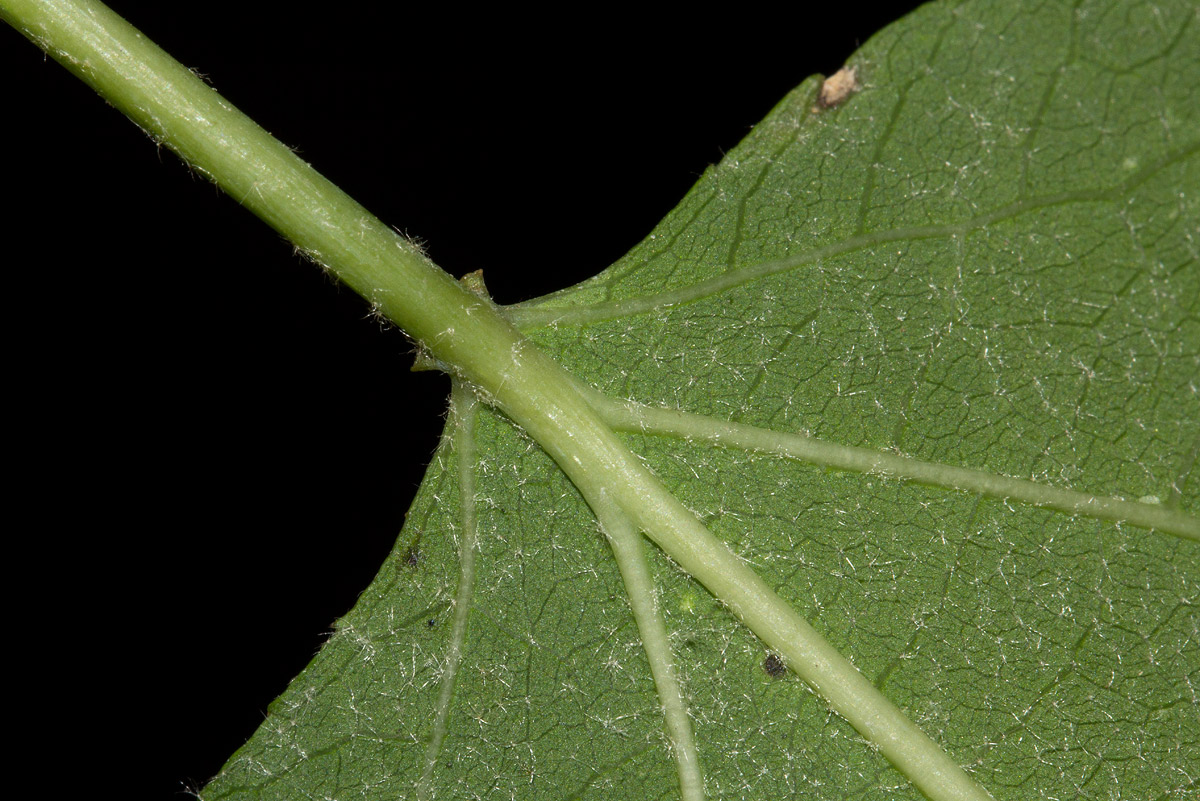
(529,316)
(630,554)
(463,413)
(634,417)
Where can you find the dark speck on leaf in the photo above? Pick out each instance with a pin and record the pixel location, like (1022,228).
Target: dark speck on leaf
(412,557)
(774,666)
(432,622)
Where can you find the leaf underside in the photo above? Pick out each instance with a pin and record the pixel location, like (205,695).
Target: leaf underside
(986,257)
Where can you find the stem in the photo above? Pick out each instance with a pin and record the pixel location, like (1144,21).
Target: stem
(182,112)
(466,334)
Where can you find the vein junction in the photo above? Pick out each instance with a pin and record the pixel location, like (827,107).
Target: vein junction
(634,417)
(628,549)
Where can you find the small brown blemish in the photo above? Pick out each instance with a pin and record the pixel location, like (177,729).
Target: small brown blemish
(837,87)
(412,557)
(774,666)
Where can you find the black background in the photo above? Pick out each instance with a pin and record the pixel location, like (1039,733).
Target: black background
(215,445)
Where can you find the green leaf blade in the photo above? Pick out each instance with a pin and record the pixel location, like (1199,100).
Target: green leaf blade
(985,258)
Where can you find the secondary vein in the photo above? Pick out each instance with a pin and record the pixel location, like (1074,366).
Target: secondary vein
(634,417)
(463,412)
(529,316)
(630,554)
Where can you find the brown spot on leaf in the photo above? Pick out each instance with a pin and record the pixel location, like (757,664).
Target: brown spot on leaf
(837,87)
(774,666)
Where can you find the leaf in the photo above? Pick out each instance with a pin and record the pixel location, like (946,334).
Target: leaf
(254,512)
(983,259)
(943,302)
